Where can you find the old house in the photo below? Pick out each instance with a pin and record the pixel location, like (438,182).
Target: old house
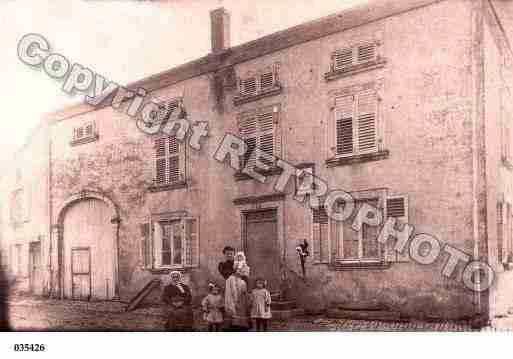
(404,104)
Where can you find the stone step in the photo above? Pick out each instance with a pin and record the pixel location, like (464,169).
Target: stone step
(361,314)
(283,305)
(287,314)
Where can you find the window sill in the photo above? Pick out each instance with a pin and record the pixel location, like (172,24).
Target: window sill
(242,99)
(241,176)
(361,158)
(344,266)
(166,270)
(168,187)
(84,140)
(353,70)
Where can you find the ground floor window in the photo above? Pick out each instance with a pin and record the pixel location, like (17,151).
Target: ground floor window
(170,243)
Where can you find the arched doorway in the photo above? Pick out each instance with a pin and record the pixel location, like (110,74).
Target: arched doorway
(88,248)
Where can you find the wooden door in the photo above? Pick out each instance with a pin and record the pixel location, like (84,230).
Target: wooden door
(261,247)
(87,225)
(81,273)
(36,272)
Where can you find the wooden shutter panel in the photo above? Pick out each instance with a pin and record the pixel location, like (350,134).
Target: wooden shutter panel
(320,235)
(89,130)
(266,135)
(191,242)
(366,52)
(248,86)
(367,139)
(174,160)
(145,245)
(334,240)
(248,131)
(397,207)
(157,244)
(316,240)
(343,59)
(267,79)
(160,161)
(344,108)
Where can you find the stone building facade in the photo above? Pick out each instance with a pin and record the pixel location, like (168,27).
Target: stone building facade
(404,104)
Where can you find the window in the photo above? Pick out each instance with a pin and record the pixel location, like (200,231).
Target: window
(173,243)
(505,232)
(347,58)
(255,85)
(260,131)
(338,242)
(169,161)
(166,108)
(84,133)
(355,125)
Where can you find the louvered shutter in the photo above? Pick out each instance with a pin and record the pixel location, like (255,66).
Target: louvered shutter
(248,131)
(266,140)
(157,244)
(334,240)
(366,52)
(366,127)
(191,236)
(320,235)
(397,207)
(174,160)
(89,130)
(266,79)
(160,161)
(145,245)
(344,131)
(248,86)
(343,59)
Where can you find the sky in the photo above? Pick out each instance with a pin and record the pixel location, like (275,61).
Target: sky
(123,40)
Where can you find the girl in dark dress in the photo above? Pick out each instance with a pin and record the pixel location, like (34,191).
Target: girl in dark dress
(177,296)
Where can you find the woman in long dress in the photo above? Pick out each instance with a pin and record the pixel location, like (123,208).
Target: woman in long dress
(236,302)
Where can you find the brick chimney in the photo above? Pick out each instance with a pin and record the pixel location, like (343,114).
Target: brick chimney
(220,29)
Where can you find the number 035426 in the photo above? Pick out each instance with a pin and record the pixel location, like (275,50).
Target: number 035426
(29,347)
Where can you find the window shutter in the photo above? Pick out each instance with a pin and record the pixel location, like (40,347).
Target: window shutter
(248,131)
(507,142)
(182,160)
(191,242)
(334,240)
(79,131)
(342,59)
(160,161)
(344,108)
(89,130)
(366,52)
(174,160)
(157,244)
(320,235)
(367,121)
(267,79)
(397,207)
(248,86)
(145,245)
(266,135)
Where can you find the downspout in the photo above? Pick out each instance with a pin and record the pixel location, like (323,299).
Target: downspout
(479,180)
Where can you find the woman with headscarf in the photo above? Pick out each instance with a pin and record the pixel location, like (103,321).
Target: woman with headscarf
(178,297)
(240,264)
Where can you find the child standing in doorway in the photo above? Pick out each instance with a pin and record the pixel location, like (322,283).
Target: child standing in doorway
(261,305)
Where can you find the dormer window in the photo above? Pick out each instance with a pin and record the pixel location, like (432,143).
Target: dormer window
(84,133)
(256,85)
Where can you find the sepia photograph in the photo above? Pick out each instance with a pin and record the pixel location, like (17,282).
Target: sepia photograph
(294,166)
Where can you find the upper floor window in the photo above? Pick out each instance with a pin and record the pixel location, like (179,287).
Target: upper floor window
(258,84)
(169,161)
(354,59)
(84,133)
(260,131)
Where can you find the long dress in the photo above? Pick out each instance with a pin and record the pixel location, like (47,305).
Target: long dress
(178,319)
(236,302)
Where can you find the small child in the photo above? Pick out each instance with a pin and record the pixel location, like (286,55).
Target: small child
(212,305)
(240,266)
(260,305)
(180,316)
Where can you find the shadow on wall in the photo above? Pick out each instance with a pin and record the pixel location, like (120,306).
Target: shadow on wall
(4,291)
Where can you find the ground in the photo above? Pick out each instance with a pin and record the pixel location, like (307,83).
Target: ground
(28,314)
